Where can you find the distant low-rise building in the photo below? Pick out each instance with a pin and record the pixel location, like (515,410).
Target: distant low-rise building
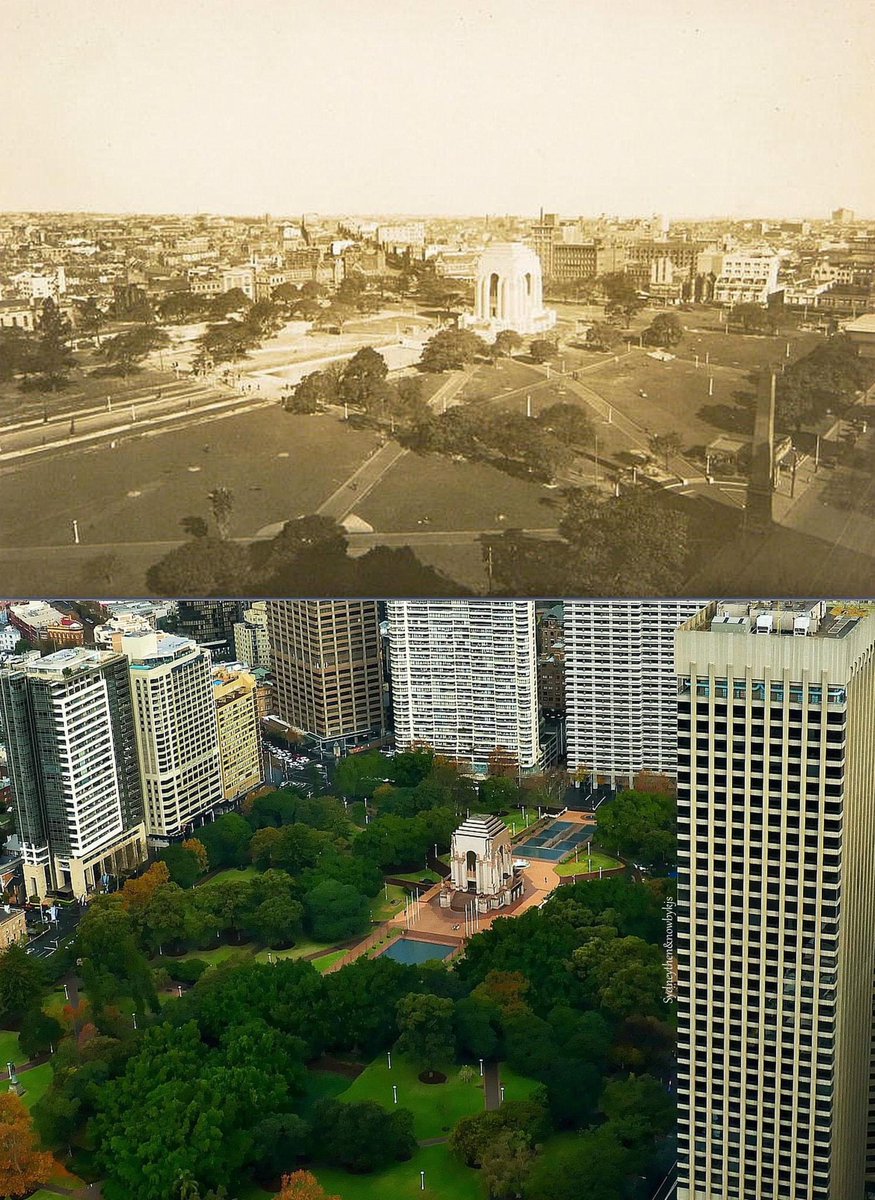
(747,277)
(34,618)
(13,927)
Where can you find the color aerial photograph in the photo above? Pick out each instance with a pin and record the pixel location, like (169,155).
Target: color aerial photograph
(437,298)
(466,899)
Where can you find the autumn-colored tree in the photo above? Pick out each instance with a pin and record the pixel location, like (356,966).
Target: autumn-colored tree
(507,990)
(23,1167)
(655,783)
(303,1185)
(199,850)
(503,762)
(137,893)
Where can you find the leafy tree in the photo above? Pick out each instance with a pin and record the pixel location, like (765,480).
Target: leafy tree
(622,299)
(221,506)
(52,358)
(263,847)
(640,826)
(450,350)
(183,866)
(22,982)
(666,445)
(666,330)
(625,976)
(542,349)
(361,1002)
(426,1024)
(137,893)
(127,350)
(195,527)
(472,1136)
(165,920)
(753,318)
(181,307)
(199,852)
(204,566)
(313,391)
(234,300)
(23,1167)
(277,920)
(363,379)
(279,1141)
(263,318)
(90,316)
(112,965)
(639,1108)
(38,1032)
(602,336)
(362,1137)
(506,341)
(476,1022)
(226,841)
(598,1156)
(569,423)
(16,352)
(302,1185)
(335,911)
(505,1164)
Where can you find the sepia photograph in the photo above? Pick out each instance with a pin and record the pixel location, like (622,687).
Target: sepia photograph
(437,297)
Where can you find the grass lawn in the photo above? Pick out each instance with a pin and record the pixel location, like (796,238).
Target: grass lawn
(516,1087)
(218,955)
(231,873)
(383,907)
(300,948)
(42,1194)
(320,1085)
(417,876)
(9,1048)
(438,493)
(596,859)
(445,1179)
(54,1003)
(436,1107)
(35,1082)
(517,821)
(324,961)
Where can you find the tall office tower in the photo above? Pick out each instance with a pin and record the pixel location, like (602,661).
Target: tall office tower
(775,938)
(464,678)
(210,623)
(239,737)
(327,668)
(177,731)
(69,728)
(620,687)
(251,640)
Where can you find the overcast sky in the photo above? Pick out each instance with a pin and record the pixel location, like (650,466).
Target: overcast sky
(749,107)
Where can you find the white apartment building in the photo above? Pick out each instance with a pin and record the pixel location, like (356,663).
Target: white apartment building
(747,276)
(775,934)
(620,687)
(464,679)
(176,731)
(251,638)
(68,725)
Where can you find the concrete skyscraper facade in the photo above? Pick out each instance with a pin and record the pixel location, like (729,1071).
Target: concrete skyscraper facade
(620,686)
(69,730)
(328,668)
(176,730)
(464,678)
(775,937)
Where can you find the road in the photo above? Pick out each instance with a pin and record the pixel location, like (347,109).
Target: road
(365,478)
(181,403)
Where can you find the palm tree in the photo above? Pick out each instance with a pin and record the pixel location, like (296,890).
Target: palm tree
(221,504)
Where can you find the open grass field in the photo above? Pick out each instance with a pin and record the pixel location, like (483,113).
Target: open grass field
(321,1085)
(55,1002)
(516,821)
(436,1107)
(230,873)
(585,863)
(9,1048)
(35,1082)
(324,961)
(277,466)
(435,493)
(445,1179)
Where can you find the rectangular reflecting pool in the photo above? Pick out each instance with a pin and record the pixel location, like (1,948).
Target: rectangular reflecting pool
(413,951)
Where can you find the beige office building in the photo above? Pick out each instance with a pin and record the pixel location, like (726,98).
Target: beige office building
(239,739)
(327,668)
(177,732)
(251,640)
(775,937)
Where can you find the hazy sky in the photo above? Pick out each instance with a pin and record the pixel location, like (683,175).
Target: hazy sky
(758,107)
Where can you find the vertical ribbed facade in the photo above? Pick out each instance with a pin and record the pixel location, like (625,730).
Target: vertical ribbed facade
(776,908)
(464,678)
(620,693)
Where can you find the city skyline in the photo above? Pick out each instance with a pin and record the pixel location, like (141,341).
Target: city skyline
(595,108)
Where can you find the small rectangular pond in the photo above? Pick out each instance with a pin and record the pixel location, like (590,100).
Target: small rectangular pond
(413,951)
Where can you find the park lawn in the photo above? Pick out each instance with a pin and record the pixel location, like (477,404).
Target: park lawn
(516,1087)
(582,866)
(321,1085)
(42,1194)
(436,1107)
(417,876)
(436,493)
(231,873)
(300,948)
(445,1179)
(218,955)
(517,821)
(55,1003)
(35,1083)
(10,1050)
(324,961)
(383,907)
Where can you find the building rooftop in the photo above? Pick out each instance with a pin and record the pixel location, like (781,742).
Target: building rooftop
(482,825)
(786,618)
(62,663)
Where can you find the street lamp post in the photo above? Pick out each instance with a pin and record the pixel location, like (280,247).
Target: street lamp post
(502,1093)
(422,1181)
(389,1057)
(394,1093)
(481,1066)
